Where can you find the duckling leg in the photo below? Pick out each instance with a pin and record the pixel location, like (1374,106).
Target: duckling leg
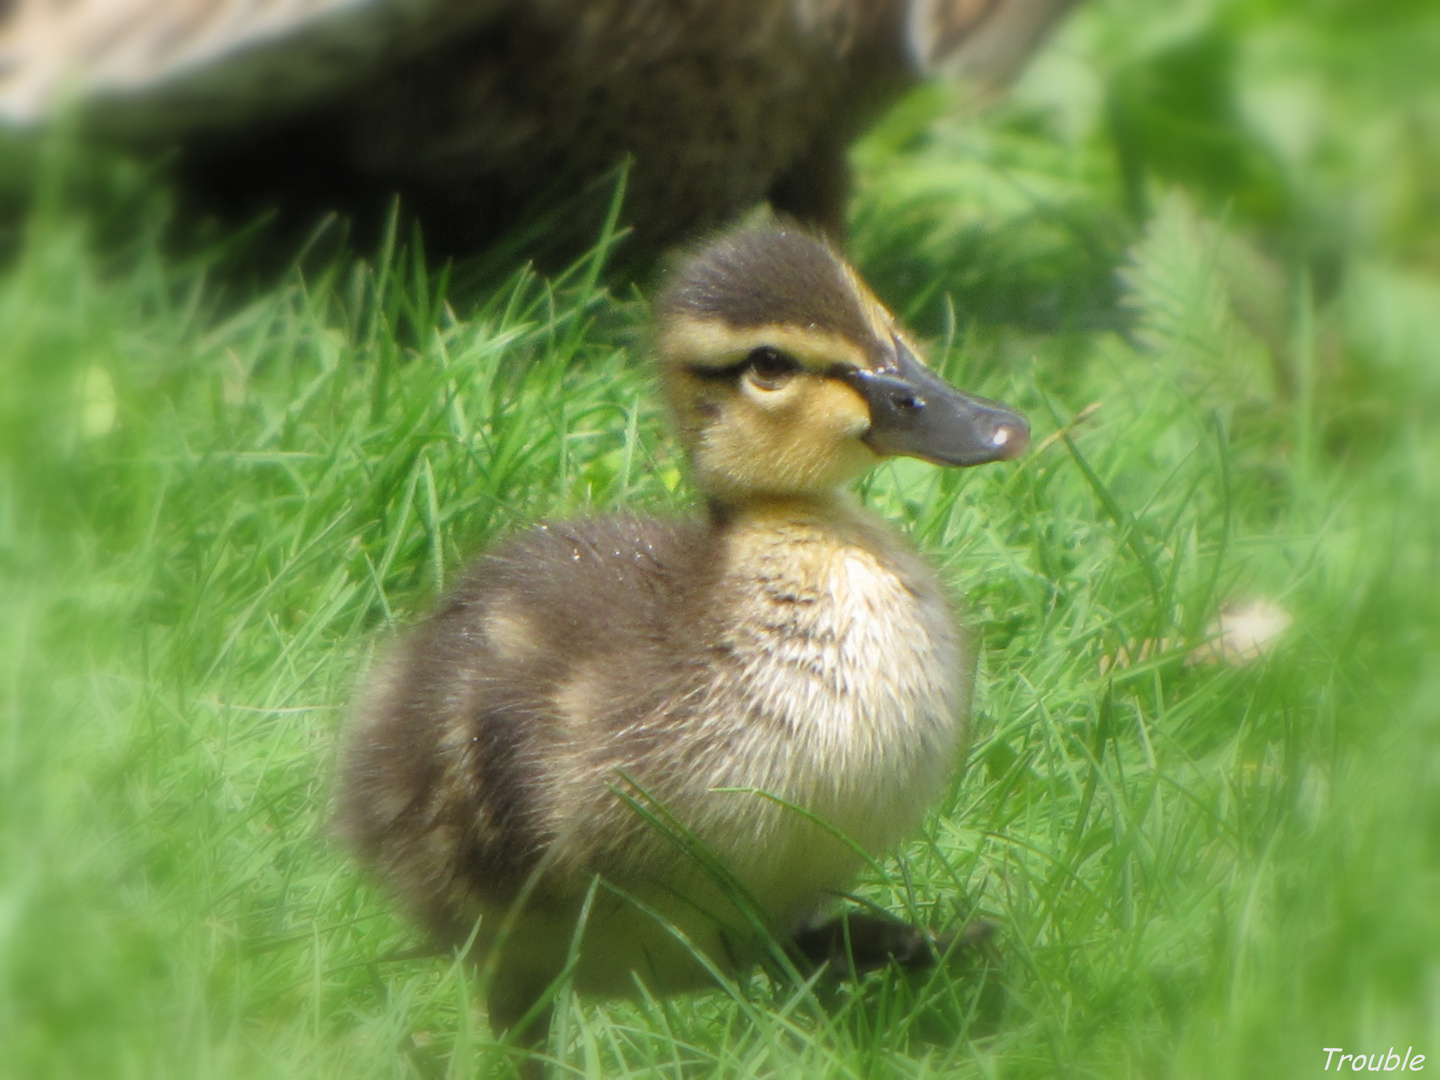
(857,942)
(507,1006)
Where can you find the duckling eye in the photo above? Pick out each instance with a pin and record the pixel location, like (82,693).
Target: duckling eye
(770,368)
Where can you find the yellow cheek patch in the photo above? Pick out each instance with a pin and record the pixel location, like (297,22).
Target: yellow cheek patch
(809,441)
(835,408)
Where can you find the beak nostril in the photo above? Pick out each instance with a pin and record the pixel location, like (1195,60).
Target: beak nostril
(916,413)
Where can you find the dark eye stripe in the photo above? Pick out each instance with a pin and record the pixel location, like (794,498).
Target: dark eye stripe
(776,363)
(718,374)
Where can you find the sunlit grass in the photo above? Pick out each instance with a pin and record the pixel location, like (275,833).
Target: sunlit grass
(216,498)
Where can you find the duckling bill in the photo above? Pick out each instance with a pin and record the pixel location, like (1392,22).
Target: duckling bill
(599,700)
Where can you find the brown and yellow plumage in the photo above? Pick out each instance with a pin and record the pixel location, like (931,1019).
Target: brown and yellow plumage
(757,681)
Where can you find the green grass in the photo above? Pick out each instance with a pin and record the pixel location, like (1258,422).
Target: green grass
(218,496)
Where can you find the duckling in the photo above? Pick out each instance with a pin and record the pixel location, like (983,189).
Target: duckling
(688,731)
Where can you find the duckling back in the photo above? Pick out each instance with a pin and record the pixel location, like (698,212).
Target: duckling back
(453,764)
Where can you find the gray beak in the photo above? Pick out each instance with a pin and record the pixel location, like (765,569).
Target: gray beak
(916,413)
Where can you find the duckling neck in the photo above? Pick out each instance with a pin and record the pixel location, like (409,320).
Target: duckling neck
(781,509)
(785,533)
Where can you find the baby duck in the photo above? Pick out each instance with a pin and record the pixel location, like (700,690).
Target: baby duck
(671,725)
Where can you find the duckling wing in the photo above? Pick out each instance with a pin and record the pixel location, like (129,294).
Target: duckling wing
(463,761)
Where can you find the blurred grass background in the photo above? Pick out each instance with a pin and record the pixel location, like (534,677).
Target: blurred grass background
(1199,244)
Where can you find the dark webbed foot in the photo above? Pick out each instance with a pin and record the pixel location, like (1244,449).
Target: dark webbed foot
(515,1018)
(856,942)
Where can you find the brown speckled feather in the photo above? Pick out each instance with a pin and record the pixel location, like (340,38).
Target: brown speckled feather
(449,744)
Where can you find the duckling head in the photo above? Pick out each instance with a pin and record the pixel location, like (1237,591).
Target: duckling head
(787,378)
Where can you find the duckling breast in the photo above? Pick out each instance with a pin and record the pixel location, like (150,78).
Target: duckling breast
(846,685)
